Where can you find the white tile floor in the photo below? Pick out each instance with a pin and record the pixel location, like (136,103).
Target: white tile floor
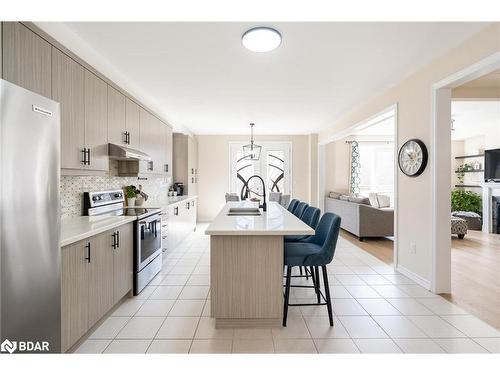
(376,310)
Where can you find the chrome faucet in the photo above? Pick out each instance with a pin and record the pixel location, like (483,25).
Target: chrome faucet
(245,191)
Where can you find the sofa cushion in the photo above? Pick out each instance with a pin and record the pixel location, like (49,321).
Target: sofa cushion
(372,197)
(383,200)
(344,197)
(334,195)
(359,199)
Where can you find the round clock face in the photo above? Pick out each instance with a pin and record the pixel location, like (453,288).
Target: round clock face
(412,157)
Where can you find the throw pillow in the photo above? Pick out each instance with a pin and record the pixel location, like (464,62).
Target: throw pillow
(383,200)
(373,200)
(334,195)
(344,197)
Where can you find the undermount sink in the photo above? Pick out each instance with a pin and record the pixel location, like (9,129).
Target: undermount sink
(243,211)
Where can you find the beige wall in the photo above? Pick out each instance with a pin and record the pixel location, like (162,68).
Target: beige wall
(213,168)
(413,97)
(475,93)
(337,166)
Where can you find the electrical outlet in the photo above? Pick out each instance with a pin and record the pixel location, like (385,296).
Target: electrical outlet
(413,248)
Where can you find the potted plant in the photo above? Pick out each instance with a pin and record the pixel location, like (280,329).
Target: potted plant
(462,200)
(130,194)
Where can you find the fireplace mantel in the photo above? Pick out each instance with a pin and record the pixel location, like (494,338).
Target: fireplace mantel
(488,188)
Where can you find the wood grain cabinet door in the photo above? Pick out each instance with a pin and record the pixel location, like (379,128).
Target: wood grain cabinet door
(68,88)
(26,59)
(132,123)
(96,122)
(168,150)
(123,262)
(116,117)
(74,293)
(100,276)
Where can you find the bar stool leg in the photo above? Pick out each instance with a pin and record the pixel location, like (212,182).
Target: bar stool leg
(316,273)
(327,294)
(287,293)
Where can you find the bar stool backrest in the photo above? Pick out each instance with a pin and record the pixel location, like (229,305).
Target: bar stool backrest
(311,216)
(299,210)
(293,204)
(326,236)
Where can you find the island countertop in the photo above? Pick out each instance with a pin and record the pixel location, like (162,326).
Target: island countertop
(277,221)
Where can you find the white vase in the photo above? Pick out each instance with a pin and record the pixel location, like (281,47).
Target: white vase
(131,202)
(139,201)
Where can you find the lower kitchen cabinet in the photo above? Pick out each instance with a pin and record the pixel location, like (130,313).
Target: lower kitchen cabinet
(96,273)
(181,221)
(123,258)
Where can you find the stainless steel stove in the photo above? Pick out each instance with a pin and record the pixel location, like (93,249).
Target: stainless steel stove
(147,231)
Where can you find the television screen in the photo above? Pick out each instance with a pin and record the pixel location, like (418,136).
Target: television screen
(492,165)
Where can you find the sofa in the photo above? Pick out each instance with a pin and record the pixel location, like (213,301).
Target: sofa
(360,218)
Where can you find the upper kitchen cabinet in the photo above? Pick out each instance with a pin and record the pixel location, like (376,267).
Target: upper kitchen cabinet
(123,119)
(169,150)
(96,122)
(83,98)
(154,140)
(147,140)
(68,88)
(132,121)
(185,158)
(117,128)
(26,58)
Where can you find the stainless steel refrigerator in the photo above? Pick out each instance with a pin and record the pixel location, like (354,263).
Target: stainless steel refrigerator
(30,308)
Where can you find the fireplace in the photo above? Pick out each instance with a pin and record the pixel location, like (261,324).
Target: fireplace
(495,212)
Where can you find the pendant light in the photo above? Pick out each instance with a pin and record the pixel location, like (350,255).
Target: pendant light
(251,151)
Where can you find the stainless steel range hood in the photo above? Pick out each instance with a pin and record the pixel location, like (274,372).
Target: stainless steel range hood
(118,152)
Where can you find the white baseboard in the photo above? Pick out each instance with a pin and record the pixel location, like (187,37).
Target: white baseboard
(413,276)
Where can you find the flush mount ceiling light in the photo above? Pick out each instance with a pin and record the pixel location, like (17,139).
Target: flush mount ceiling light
(261,39)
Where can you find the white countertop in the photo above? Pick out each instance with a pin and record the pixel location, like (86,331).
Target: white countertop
(275,222)
(81,227)
(171,201)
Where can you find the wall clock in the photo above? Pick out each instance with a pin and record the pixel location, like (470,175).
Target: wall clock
(412,158)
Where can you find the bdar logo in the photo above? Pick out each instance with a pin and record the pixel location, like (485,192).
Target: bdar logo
(8,346)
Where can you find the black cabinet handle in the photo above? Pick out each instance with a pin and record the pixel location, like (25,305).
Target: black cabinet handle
(88,252)
(84,152)
(187,205)
(166,167)
(88,156)
(176,211)
(118,238)
(113,245)
(128,138)
(150,165)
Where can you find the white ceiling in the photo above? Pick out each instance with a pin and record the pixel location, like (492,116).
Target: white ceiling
(198,75)
(475,118)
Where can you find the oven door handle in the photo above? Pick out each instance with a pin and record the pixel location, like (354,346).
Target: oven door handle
(142,230)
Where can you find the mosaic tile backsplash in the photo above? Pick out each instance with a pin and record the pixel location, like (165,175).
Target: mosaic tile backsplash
(72,188)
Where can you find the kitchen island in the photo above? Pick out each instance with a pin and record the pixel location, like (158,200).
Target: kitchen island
(246,260)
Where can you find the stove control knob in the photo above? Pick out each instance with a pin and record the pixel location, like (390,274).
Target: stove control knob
(118,195)
(94,198)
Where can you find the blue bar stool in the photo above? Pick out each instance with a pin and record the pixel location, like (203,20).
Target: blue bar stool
(292,205)
(315,251)
(299,210)
(311,218)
